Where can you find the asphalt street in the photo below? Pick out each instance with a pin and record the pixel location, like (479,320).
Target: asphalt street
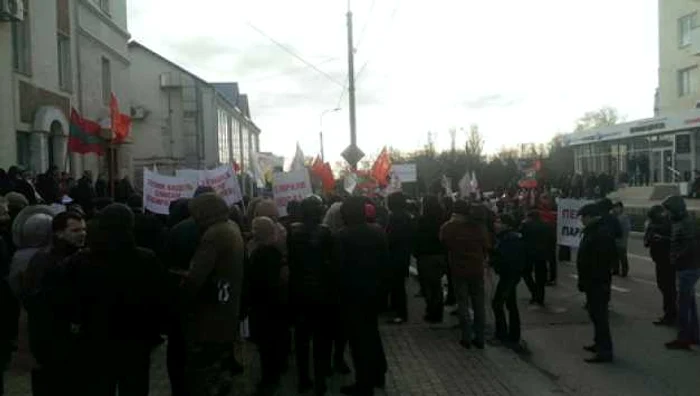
(555,336)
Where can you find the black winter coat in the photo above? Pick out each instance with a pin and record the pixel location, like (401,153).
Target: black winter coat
(509,254)
(312,270)
(597,253)
(361,250)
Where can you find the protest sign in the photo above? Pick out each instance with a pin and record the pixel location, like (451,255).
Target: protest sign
(290,186)
(569,227)
(407,173)
(221,179)
(159,191)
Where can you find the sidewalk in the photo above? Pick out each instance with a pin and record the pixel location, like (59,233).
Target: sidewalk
(423,360)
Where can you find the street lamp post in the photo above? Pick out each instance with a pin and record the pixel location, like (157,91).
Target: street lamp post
(320,135)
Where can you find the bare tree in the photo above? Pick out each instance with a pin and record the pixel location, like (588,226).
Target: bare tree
(475,142)
(604,116)
(430,146)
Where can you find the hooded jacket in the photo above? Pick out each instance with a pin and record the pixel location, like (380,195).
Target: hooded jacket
(215,277)
(684,245)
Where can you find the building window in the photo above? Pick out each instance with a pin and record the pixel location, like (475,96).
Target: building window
(236,136)
(65,71)
(685,26)
(22,43)
(104,5)
(686,83)
(224,144)
(106,81)
(24,150)
(246,148)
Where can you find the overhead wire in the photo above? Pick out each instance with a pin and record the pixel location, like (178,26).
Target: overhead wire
(392,17)
(295,55)
(291,71)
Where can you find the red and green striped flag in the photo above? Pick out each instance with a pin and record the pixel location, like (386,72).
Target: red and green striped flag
(84,135)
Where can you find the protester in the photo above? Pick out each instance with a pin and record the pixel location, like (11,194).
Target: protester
(50,338)
(657,237)
(265,301)
(508,260)
(399,234)
(467,242)
(117,293)
(180,246)
(8,306)
(334,221)
(536,235)
(360,252)
(213,284)
(313,292)
(431,258)
(622,266)
(685,260)
(596,255)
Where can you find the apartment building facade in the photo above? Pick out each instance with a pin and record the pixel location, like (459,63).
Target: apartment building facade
(182,121)
(56,55)
(679,56)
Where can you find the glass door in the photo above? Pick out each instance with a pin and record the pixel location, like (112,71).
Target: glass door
(656,167)
(669,171)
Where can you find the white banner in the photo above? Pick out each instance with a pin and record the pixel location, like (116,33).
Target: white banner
(222,179)
(569,227)
(159,191)
(407,173)
(290,186)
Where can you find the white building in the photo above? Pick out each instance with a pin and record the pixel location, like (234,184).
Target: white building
(679,55)
(182,121)
(56,55)
(664,149)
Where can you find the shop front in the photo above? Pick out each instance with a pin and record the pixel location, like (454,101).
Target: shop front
(659,150)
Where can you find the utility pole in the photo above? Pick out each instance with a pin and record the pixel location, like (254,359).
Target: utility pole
(351,84)
(352,153)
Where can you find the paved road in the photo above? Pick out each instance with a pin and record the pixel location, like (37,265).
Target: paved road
(643,366)
(426,360)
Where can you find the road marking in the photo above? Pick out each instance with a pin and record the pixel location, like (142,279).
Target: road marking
(620,289)
(639,257)
(613,287)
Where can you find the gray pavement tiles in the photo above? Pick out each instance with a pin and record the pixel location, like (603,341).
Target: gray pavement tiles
(423,360)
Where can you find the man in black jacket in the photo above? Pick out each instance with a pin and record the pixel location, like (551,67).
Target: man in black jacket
(313,280)
(50,339)
(508,260)
(536,236)
(596,255)
(684,258)
(361,250)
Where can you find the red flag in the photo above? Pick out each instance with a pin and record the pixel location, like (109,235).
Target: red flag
(121,123)
(84,135)
(381,168)
(328,178)
(323,171)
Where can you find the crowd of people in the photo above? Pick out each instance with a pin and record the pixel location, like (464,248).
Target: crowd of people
(104,283)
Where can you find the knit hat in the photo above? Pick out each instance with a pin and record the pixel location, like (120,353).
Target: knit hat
(16,200)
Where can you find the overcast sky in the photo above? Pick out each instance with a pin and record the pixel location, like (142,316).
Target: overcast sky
(521,70)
